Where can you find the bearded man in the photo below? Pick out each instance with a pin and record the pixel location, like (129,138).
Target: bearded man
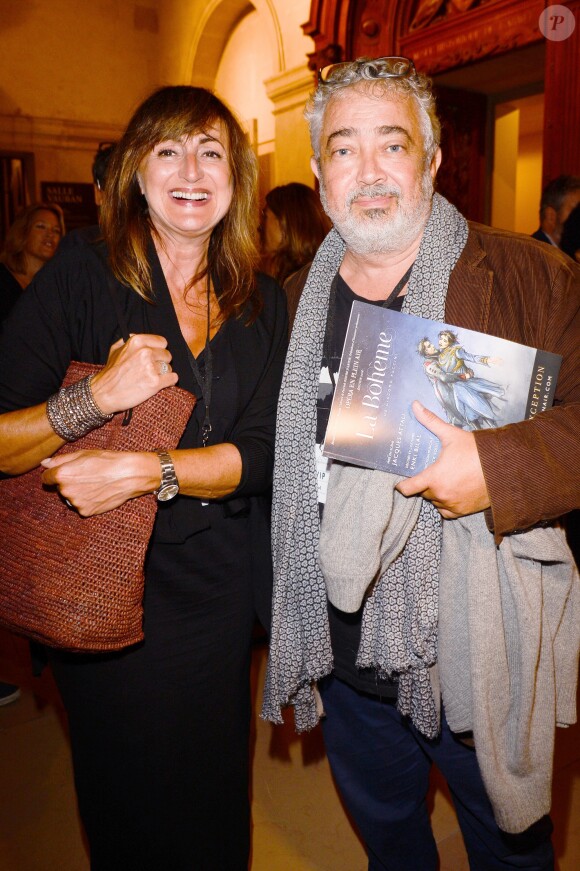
(432,616)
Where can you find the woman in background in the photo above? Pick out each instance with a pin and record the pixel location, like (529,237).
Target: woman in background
(31,241)
(293,227)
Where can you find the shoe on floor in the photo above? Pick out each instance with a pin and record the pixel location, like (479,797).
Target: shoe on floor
(8,693)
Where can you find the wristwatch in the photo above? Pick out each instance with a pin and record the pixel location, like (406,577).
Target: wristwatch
(169,486)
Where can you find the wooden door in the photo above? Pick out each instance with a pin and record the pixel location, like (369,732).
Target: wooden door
(461,177)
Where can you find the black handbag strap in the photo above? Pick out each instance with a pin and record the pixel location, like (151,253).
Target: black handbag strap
(112,283)
(98,249)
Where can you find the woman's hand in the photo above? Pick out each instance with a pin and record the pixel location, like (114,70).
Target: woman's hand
(135,370)
(97,481)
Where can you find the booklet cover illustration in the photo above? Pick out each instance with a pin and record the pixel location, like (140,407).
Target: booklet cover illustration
(469,379)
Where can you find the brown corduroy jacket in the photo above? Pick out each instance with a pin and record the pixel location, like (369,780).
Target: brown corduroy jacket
(516,288)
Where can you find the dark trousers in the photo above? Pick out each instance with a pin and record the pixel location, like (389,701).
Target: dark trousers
(381,766)
(160,732)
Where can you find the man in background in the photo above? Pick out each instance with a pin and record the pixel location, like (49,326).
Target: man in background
(100,169)
(559,197)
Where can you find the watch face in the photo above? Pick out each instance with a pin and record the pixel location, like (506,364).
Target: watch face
(168,492)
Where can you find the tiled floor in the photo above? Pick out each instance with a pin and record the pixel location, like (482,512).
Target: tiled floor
(299,824)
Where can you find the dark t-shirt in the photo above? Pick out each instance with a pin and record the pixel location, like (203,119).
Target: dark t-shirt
(345,629)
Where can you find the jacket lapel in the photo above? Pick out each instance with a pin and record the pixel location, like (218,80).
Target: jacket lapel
(470,286)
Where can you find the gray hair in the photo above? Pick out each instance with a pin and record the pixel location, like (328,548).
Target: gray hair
(364,70)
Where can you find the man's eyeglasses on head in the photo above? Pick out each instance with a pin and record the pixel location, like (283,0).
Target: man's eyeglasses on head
(377,68)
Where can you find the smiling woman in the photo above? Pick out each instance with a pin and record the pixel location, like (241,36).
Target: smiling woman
(229,250)
(160,731)
(188,184)
(30,242)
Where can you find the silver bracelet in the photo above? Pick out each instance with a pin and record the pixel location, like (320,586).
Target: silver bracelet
(73,412)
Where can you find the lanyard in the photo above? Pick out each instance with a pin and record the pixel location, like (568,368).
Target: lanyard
(204,380)
(328,348)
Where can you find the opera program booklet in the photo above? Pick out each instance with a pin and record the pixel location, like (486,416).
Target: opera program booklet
(469,379)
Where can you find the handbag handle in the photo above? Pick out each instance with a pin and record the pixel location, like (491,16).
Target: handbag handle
(99,251)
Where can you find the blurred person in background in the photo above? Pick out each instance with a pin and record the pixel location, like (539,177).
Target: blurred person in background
(100,169)
(31,241)
(293,227)
(559,197)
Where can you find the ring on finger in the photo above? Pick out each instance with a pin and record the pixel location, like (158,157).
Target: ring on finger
(163,368)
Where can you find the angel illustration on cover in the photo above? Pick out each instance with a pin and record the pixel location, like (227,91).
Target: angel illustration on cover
(469,401)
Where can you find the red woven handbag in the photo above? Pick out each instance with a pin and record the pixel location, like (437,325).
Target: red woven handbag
(73,582)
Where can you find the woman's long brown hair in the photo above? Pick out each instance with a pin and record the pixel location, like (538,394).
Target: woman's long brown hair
(303,226)
(176,112)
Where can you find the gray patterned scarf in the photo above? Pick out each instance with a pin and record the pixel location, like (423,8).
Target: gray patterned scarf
(300,649)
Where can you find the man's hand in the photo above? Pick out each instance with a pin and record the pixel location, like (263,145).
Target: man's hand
(454,483)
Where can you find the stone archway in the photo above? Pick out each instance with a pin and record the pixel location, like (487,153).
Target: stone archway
(214,28)
(286,87)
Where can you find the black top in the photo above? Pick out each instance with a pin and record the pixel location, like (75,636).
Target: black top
(66,314)
(345,628)
(10,291)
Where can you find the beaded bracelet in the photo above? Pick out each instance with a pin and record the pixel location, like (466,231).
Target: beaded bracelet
(73,412)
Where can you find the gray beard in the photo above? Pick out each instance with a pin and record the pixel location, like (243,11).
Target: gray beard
(378,231)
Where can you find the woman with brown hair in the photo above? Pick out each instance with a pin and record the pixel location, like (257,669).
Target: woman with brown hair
(294,225)
(160,731)
(31,241)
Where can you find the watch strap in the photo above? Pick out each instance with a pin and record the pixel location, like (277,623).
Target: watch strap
(169,486)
